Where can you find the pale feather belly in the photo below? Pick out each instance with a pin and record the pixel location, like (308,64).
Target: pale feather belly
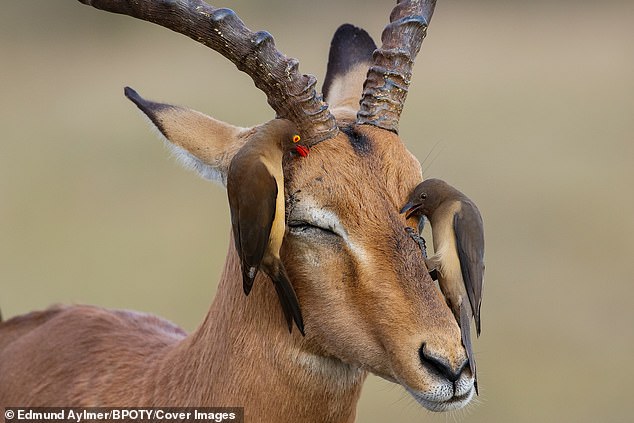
(446,254)
(279,226)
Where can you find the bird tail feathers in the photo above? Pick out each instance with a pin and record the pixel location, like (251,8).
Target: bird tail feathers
(248,276)
(465,330)
(476,316)
(288,299)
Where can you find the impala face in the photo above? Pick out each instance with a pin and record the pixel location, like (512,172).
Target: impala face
(363,286)
(365,293)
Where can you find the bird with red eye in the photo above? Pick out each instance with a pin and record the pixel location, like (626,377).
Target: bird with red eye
(300,149)
(255,187)
(458,260)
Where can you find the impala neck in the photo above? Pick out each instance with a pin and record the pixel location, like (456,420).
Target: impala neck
(243,355)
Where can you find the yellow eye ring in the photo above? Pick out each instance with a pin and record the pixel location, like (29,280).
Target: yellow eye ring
(296,138)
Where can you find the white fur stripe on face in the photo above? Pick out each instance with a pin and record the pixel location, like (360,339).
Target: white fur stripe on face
(328,219)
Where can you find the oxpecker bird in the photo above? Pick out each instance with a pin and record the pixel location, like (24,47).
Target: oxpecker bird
(255,186)
(458,238)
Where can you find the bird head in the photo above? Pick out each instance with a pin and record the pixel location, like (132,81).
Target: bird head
(426,197)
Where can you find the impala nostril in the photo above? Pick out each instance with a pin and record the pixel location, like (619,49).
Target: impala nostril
(441,365)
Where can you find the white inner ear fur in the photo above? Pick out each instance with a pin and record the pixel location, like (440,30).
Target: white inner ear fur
(345,91)
(216,173)
(189,161)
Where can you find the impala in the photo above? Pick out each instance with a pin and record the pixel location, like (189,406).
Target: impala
(367,300)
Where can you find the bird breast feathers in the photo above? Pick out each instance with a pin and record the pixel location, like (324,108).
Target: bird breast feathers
(445,242)
(279,226)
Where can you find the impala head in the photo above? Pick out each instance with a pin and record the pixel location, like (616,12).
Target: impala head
(365,293)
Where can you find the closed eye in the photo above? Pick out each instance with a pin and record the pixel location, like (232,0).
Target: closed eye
(301,227)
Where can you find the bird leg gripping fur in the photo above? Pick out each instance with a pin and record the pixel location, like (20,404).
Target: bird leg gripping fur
(418,239)
(432,265)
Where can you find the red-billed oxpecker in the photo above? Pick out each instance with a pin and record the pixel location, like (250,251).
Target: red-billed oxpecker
(458,235)
(255,186)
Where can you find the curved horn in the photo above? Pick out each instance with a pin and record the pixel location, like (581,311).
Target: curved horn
(388,79)
(291,94)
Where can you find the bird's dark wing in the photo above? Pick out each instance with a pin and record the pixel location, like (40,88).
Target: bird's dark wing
(288,298)
(469,232)
(252,191)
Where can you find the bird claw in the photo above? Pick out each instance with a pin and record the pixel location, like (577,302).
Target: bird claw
(418,239)
(423,247)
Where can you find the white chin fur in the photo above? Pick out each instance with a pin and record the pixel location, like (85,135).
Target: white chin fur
(440,404)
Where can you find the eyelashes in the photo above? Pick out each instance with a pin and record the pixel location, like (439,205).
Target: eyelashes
(306,228)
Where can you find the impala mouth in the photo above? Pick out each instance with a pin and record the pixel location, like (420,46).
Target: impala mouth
(435,402)
(445,395)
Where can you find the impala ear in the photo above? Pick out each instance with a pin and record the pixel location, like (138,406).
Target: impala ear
(198,141)
(349,59)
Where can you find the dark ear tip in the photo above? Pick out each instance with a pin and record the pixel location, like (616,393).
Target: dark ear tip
(350,45)
(347,28)
(132,95)
(129,92)
(349,31)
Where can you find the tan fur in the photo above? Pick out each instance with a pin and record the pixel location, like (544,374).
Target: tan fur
(192,131)
(211,141)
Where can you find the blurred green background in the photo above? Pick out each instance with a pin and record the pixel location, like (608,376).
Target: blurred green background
(531,107)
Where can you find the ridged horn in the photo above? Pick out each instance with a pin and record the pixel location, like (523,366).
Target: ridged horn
(291,94)
(388,79)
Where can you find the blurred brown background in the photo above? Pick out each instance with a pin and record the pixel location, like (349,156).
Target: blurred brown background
(531,105)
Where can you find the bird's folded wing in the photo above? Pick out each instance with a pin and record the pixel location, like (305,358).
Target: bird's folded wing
(470,245)
(252,195)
